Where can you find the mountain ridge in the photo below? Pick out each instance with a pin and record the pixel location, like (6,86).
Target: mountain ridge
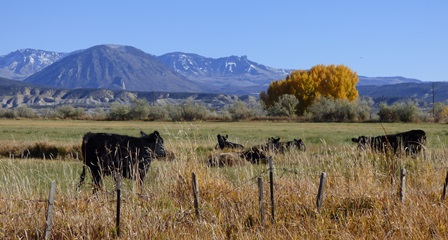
(112,67)
(192,72)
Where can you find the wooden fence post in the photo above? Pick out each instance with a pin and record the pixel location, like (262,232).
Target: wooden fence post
(260,199)
(196,196)
(320,193)
(49,222)
(445,186)
(117,224)
(271,184)
(402,184)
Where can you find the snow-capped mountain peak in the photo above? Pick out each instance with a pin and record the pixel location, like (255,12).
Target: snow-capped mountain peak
(20,64)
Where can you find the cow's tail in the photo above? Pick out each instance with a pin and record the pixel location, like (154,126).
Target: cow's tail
(85,139)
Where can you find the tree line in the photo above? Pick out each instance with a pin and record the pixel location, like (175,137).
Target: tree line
(323,110)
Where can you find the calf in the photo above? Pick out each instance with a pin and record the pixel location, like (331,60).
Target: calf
(223,143)
(107,153)
(411,141)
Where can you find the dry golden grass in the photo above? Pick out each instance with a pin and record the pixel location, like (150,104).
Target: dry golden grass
(360,200)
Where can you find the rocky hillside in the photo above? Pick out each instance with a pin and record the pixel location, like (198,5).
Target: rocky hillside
(12,96)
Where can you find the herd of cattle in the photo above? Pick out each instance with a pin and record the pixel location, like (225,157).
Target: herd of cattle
(111,154)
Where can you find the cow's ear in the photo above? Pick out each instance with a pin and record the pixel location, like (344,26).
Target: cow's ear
(143,134)
(355,140)
(156,133)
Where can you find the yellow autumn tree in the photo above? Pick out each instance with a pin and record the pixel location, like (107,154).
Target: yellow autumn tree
(332,81)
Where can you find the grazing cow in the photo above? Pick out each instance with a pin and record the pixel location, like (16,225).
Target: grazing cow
(275,145)
(223,143)
(411,141)
(107,154)
(253,155)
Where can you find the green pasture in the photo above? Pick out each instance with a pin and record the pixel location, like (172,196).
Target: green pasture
(203,134)
(193,141)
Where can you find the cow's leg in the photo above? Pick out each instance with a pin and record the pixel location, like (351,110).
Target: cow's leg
(82,177)
(97,179)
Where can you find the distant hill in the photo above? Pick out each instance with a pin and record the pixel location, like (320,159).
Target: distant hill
(22,63)
(113,67)
(4,82)
(419,92)
(380,81)
(227,74)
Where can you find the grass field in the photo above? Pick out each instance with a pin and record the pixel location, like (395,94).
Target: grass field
(360,202)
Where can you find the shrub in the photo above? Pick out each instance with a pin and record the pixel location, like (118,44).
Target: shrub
(8,113)
(188,111)
(118,112)
(157,113)
(239,110)
(69,112)
(25,112)
(398,112)
(139,109)
(174,112)
(440,112)
(193,111)
(285,106)
(329,109)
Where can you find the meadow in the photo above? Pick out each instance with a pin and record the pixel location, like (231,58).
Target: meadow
(361,198)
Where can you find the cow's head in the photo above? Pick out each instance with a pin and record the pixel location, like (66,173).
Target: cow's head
(273,144)
(222,140)
(155,143)
(362,141)
(299,144)
(273,140)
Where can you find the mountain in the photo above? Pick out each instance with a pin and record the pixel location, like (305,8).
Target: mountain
(113,67)
(228,74)
(125,67)
(421,92)
(380,81)
(22,63)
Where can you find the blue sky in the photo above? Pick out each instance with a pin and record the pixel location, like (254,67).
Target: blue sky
(373,38)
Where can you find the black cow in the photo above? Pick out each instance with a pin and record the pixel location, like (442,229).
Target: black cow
(107,153)
(253,155)
(411,141)
(223,143)
(275,145)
